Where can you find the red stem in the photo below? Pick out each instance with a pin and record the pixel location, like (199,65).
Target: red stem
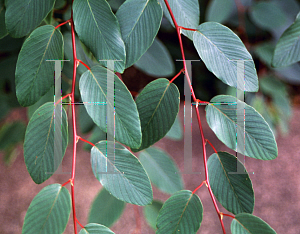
(189,29)
(63,24)
(198,115)
(84,64)
(203,182)
(211,146)
(178,74)
(228,215)
(86,141)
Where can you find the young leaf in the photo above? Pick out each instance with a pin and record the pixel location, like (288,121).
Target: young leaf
(221,116)
(162,170)
(34,74)
(158,106)
(186,13)
(151,212)
(219,10)
(23,16)
(39,143)
(128,180)
(98,28)
(156,61)
(233,191)
(93,90)
(287,50)
(140,27)
(181,213)
(267,15)
(3,30)
(105,209)
(49,211)
(250,224)
(94,228)
(220,48)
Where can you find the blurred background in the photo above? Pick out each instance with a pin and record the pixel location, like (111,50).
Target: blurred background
(259,24)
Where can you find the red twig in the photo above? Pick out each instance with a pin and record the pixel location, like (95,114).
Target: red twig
(80,138)
(64,184)
(206,140)
(227,215)
(84,64)
(68,21)
(203,182)
(178,74)
(198,115)
(79,223)
(189,29)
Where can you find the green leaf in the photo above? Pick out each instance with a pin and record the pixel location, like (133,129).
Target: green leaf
(98,27)
(181,213)
(49,211)
(219,10)
(186,13)
(267,15)
(233,191)
(11,134)
(34,74)
(162,170)
(94,228)
(86,124)
(93,90)
(220,48)
(221,116)
(140,27)
(128,180)
(156,61)
(151,212)
(287,50)
(265,52)
(158,106)
(3,30)
(23,16)
(39,143)
(175,133)
(250,224)
(105,209)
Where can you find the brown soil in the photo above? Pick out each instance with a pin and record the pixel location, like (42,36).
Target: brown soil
(276,185)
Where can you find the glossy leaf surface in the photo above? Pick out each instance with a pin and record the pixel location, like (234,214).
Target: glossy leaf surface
(128,180)
(93,90)
(34,74)
(181,213)
(140,27)
(162,170)
(222,118)
(220,48)
(250,224)
(158,106)
(98,27)
(287,50)
(105,209)
(49,211)
(186,13)
(94,228)
(233,191)
(156,61)
(39,143)
(23,16)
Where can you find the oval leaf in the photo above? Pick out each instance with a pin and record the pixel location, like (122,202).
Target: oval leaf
(34,74)
(105,209)
(220,48)
(158,106)
(94,228)
(22,16)
(221,116)
(93,90)
(186,13)
(162,170)
(127,180)
(49,211)
(39,144)
(137,31)
(181,213)
(268,15)
(156,61)
(287,50)
(98,28)
(250,224)
(233,191)
(151,212)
